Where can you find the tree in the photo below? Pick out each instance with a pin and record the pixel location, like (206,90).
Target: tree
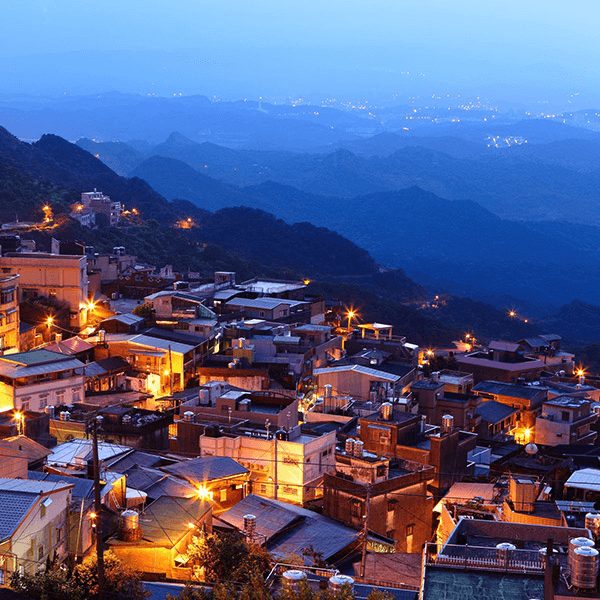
(60,582)
(227,557)
(143,310)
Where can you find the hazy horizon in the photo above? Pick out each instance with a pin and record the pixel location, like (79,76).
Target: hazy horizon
(516,53)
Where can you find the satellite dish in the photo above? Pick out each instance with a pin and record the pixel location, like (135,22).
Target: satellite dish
(531,449)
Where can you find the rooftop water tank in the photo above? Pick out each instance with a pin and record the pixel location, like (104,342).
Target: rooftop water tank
(349,448)
(188,416)
(585,567)
(337,582)
(65,415)
(129,526)
(358,448)
(249,525)
(504,550)
(592,522)
(386,411)
(574,543)
(447,424)
(49,410)
(290,580)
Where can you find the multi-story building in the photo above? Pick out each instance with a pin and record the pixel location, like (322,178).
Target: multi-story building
(34,524)
(399,506)
(107,211)
(56,276)
(285,465)
(39,378)
(565,420)
(9,313)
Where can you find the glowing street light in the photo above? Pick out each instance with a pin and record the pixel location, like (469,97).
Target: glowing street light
(204,493)
(50,321)
(351,315)
(512,314)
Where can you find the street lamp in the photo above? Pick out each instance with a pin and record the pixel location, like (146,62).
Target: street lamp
(351,315)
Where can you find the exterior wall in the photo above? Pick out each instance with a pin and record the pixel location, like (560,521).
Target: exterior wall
(14,462)
(36,397)
(247,379)
(511,515)
(9,309)
(400,508)
(39,535)
(52,275)
(297,467)
(555,432)
(350,383)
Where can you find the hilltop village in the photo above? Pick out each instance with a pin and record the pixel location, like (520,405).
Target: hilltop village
(143,408)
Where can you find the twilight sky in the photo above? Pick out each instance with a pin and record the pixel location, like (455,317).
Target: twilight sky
(517,50)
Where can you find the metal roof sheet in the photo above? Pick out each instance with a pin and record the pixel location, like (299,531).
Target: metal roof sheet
(206,468)
(585,479)
(359,369)
(78,452)
(14,506)
(494,412)
(289,528)
(508,389)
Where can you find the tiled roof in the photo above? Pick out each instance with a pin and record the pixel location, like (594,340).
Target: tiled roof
(14,506)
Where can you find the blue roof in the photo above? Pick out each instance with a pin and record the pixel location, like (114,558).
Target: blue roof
(290,528)
(494,412)
(14,506)
(206,468)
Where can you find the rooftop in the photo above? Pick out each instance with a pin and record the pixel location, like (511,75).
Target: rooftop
(206,468)
(512,390)
(288,528)
(567,401)
(494,412)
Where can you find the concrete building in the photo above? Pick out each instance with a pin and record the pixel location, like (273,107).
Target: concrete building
(565,420)
(107,211)
(33,525)
(9,314)
(286,466)
(400,507)
(56,276)
(39,378)
(404,436)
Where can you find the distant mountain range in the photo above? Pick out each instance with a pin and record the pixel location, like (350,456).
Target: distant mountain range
(402,226)
(453,245)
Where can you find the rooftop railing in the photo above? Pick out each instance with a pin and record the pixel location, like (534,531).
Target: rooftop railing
(484,558)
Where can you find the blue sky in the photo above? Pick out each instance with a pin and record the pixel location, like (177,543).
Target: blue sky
(238,47)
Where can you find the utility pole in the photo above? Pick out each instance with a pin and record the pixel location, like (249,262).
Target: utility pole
(170,372)
(98,510)
(363,561)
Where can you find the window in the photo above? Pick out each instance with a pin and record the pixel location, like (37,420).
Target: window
(75,394)
(381,471)
(356,508)
(40,552)
(223,496)
(7,297)
(564,415)
(58,534)
(410,529)
(391,533)
(392,505)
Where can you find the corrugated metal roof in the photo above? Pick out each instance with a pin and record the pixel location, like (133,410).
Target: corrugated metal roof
(468,491)
(508,389)
(78,452)
(15,371)
(290,528)
(165,521)
(359,369)
(152,342)
(585,479)
(206,468)
(494,412)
